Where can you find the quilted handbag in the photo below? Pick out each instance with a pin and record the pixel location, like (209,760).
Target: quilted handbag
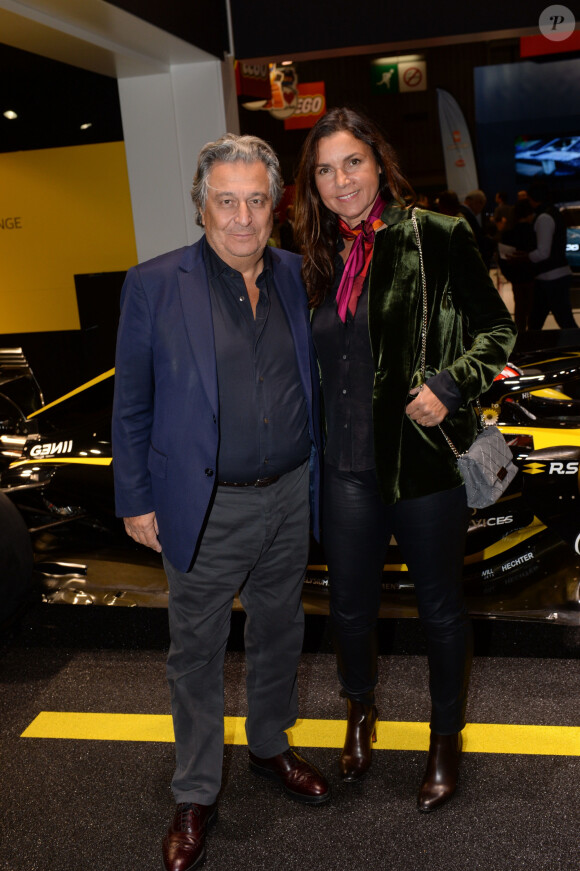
(487,468)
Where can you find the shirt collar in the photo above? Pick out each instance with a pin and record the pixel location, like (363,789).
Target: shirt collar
(216,266)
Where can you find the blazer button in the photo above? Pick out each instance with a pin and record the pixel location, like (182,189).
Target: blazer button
(209,473)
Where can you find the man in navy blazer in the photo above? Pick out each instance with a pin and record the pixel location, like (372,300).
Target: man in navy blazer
(216,460)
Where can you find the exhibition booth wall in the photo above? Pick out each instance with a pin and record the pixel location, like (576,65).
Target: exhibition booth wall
(67,228)
(66,241)
(65,212)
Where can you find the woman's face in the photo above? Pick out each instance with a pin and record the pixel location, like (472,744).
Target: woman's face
(347,176)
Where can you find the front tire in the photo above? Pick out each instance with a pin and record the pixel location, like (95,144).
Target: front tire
(16,562)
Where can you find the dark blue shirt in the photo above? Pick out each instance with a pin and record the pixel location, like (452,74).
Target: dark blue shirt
(263,411)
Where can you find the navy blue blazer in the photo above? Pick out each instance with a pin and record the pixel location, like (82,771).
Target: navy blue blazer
(166,410)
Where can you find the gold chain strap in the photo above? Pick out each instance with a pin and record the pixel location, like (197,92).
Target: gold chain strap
(424,286)
(424,330)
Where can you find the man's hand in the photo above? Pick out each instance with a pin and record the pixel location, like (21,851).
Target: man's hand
(426,409)
(144,529)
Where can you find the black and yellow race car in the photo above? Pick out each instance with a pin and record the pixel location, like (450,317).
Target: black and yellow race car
(58,533)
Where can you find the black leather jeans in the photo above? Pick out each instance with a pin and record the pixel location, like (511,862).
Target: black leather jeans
(430,532)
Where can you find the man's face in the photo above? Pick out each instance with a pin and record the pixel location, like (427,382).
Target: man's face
(475,205)
(238,213)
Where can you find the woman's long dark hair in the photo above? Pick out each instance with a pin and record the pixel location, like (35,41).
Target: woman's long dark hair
(316,227)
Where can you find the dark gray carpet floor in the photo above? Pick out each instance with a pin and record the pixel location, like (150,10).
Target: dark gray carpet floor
(68,805)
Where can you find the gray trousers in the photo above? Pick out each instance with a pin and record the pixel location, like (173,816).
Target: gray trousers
(255,542)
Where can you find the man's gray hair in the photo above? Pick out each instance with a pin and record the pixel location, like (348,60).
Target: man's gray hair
(229,149)
(476,197)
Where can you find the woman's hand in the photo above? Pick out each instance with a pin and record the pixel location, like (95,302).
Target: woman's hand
(426,409)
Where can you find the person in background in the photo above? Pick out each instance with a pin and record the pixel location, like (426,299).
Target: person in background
(472,210)
(553,273)
(387,467)
(503,214)
(287,240)
(520,239)
(215,429)
(447,203)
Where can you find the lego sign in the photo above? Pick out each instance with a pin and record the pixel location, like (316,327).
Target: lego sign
(310,106)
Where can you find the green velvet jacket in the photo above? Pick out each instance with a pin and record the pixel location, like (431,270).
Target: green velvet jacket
(464,311)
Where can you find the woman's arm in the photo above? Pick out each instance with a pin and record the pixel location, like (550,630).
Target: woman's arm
(489,331)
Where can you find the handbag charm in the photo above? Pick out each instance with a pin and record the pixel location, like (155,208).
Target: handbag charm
(487,467)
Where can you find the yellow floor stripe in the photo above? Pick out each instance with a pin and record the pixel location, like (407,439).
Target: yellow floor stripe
(478,737)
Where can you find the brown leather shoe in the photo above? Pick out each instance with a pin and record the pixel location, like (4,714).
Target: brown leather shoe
(442,772)
(361,733)
(184,841)
(301,780)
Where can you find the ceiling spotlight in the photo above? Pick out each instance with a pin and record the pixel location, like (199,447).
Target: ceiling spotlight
(286,63)
(86,126)
(10,115)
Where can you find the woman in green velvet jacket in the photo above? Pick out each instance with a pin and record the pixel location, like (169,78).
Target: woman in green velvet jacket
(388,469)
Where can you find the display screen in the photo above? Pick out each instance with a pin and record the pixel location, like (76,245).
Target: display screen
(573,248)
(554,160)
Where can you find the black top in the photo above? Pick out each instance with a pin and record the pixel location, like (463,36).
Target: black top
(557,257)
(346,364)
(263,412)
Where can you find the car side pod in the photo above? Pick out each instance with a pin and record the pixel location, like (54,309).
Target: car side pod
(551,488)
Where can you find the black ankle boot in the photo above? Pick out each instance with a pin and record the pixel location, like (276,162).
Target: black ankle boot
(442,772)
(361,732)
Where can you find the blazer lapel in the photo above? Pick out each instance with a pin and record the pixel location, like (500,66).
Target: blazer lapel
(196,304)
(395,297)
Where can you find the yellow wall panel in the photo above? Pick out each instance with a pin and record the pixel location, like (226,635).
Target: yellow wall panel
(63,211)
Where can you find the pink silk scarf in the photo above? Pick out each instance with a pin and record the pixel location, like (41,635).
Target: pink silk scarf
(358,261)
